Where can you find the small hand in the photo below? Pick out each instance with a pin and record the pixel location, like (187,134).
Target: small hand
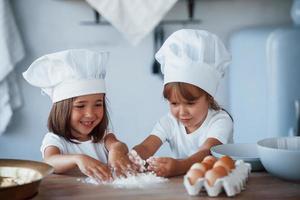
(163,166)
(93,168)
(139,163)
(121,163)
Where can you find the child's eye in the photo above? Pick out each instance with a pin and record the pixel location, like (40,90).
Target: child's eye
(79,106)
(173,103)
(99,104)
(191,103)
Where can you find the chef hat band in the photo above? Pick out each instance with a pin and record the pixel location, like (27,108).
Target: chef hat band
(71,73)
(192,56)
(74,88)
(198,78)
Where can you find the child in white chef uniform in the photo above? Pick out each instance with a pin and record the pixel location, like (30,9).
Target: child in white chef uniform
(78,121)
(192,62)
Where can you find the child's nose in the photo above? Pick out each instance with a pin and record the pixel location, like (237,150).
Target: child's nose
(89,112)
(182,110)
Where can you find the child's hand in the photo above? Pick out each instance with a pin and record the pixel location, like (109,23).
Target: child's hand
(120,162)
(137,160)
(164,166)
(93,168)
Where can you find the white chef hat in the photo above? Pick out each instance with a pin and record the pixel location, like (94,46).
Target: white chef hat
(69,73)
(191,56)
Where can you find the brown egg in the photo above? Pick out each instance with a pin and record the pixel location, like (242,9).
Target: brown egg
(221,171)
(194,174)
(208,165)
(229,161)
(225,162)
(212,175)
(196,166)
(201,166)
(210,160)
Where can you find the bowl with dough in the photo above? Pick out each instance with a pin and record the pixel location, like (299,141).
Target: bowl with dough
(281,156)
(240,151)
(20,179)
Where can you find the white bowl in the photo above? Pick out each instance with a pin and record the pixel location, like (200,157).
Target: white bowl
(239,151)
(281,156)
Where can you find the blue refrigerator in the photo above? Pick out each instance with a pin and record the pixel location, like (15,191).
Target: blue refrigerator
(264,83)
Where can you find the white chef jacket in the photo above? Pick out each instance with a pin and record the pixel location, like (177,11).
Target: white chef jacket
(94,150)
(217,124)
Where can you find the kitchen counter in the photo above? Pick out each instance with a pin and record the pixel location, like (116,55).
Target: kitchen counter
(260,185)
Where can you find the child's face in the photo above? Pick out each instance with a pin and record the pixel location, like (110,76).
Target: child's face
(87,113)
(190,113)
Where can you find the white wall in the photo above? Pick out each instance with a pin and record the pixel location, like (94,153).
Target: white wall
(134,93)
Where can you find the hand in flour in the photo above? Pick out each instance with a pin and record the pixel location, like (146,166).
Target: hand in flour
(137,160)
(163,166)
(120,162)
(117,156)
(93,168)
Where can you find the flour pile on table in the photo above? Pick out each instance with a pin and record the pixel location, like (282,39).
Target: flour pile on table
(140,180)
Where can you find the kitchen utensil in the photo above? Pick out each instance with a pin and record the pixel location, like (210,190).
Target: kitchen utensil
(28,174)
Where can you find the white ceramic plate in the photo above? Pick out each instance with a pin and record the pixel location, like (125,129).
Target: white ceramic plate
(239,151)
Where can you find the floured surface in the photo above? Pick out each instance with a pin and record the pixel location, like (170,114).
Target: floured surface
(140,180)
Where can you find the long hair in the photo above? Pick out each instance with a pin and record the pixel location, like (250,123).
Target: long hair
(59,121)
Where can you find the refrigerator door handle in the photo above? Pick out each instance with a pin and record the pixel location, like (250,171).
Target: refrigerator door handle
(297,112)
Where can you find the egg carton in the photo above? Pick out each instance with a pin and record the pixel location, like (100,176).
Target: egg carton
(232,184)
